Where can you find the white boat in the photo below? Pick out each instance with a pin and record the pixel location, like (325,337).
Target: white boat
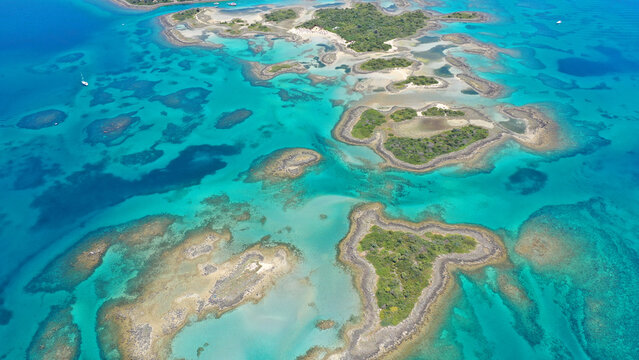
(558,21)
(232,4)
(84,82)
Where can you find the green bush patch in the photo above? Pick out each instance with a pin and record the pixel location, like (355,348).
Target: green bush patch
(403,262)
(259,27)
(280,15)
(366,27)
(381,64)
(419,80)
(186,14)
(461,15)
(278,67)
(367,123)
(436,111)
(403,114)
(421,151)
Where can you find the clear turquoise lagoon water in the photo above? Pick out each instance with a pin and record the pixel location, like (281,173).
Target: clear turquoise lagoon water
(60,182)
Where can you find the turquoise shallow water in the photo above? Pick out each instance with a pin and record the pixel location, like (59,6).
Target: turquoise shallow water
(60,182)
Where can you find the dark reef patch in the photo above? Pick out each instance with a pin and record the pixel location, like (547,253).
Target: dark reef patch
(141,158)
(229,119)
(101,97)
(42,119)
(526,181)
(141,89)
(70,57)
(189,99)
(107,131)
(175,134)
(295,95)
(33,172)
(91,189)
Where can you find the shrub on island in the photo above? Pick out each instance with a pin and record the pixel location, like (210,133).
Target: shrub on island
(365,27)
(461,15)
(403,263)
(419,80)
(422,150)
(186,14)
(280,15)
(367,123)
(437,111)
(381,64)
(403,114)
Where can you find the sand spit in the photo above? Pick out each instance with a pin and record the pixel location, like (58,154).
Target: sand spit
(474,46)
(368,339)
(542,133)
(157,4)
(177,38)
(484,87)
(289,163)
(187,284)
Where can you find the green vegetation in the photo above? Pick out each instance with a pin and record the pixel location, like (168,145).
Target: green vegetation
(461,15)
(420,151)
(369,120)
(186,14)
(280,15)
(436,111)
(403,114)
(419,80)
(380,64)
(278,67)
(404,262)
(366,27)
(259,27)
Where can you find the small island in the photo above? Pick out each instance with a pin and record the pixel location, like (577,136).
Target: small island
(421,140)
(401,269)
(283,164)
(482,86)
(269,71)
(378,64)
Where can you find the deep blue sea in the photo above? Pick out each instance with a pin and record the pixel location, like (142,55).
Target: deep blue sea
(61,182)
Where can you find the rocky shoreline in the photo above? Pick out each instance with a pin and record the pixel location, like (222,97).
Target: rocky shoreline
(266,72)
(469,154)
(367,339)
(288,163)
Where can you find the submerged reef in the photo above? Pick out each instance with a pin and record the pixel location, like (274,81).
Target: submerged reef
(289,163)
(57,337)
(42,119)
(228,120)
(77,263)
(187,284)
(110,131)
